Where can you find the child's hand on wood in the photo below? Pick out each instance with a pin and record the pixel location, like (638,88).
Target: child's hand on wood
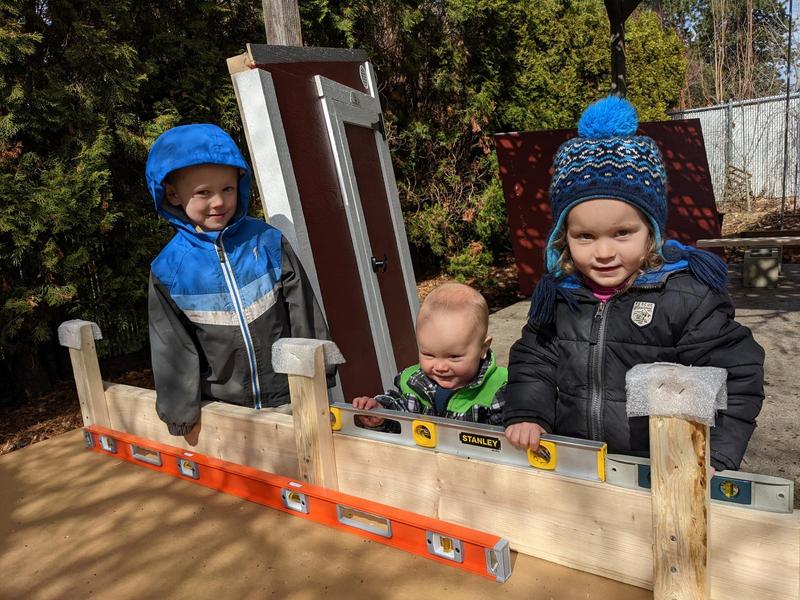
(525,435)
(193,436)
(367,403)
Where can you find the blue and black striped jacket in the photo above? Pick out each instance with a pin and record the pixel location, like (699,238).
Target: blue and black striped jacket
(219,300)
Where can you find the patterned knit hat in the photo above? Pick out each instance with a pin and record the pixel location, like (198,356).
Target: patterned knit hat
(607,160)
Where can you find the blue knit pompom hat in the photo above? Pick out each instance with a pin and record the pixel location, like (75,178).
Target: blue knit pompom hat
(607,160)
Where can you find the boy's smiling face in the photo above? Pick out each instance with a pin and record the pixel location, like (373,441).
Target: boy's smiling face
(209,194)
(451,348)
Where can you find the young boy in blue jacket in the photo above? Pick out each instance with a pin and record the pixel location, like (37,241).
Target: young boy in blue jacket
(224,288)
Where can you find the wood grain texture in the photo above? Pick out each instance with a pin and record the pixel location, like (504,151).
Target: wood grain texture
(679,463)
(312,426)
(282,22)
(593,527)
(260,439)
(749,241)
(239,63)
(88,381)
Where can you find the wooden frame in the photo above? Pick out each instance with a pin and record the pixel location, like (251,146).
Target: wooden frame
(593,527)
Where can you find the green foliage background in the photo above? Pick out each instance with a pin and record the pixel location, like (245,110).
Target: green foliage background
(87,86)
(455,72)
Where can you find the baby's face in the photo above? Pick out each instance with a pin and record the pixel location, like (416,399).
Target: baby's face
(208,194)
(608,240)
(450,348)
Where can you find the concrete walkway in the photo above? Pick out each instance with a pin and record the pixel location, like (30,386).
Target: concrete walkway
(774,317)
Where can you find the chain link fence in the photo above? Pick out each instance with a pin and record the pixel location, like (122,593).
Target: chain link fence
(745,148)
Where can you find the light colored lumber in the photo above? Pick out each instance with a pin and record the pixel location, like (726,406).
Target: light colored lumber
(240,62)
(312,425)
(787,240)
(590,526)
(679,463)
(260,439)
(87,525)
(594,527)
(88,381)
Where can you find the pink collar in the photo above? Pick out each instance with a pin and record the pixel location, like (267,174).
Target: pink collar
(600,292)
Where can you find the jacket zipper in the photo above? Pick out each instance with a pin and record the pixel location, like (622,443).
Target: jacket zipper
(233,290)
(597,340)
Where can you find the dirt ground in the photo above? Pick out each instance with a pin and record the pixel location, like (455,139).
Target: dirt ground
(76,524)
(774,317)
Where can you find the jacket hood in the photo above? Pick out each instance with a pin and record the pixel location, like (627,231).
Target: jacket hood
(186,146)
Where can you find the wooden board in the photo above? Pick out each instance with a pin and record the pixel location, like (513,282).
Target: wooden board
(593,527)
(312,425)
(679,467)
(260,439)
(749,241)
(87,379)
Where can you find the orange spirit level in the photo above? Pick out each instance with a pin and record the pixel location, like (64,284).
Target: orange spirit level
(470,550)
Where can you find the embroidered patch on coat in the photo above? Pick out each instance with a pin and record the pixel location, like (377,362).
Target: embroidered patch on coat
(642,313)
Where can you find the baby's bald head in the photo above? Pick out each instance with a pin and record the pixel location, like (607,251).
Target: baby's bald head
(452,298)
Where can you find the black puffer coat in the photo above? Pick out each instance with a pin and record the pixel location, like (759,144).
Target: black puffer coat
(569,377)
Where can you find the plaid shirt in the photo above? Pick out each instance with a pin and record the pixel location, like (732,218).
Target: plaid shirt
(419,382)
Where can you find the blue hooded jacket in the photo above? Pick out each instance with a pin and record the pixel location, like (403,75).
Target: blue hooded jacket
(218,300)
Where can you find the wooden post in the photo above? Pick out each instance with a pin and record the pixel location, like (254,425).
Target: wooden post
(282,22)
(79,336)
(618,11)
(679,455)
(303,361)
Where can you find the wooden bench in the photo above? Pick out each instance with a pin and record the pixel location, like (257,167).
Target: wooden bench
(746,241)
(758,271)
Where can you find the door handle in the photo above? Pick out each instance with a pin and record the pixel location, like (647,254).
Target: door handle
(380,264)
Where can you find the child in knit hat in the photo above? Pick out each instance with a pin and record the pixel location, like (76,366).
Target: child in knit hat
(616,294)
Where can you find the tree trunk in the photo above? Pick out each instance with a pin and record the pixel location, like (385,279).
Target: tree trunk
(282,22)
(618,11)
(720,24)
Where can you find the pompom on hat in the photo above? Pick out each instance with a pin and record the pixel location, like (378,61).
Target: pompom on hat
(608,160)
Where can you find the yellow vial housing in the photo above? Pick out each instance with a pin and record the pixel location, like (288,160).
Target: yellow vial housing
(336,419)
(545,458)
(424,433)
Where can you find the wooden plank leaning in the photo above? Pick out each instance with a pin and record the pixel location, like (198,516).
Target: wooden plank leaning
(766,241)
(79,337)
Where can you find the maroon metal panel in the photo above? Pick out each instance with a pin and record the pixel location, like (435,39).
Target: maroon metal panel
(326,221)
(526,168)
(375,205)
